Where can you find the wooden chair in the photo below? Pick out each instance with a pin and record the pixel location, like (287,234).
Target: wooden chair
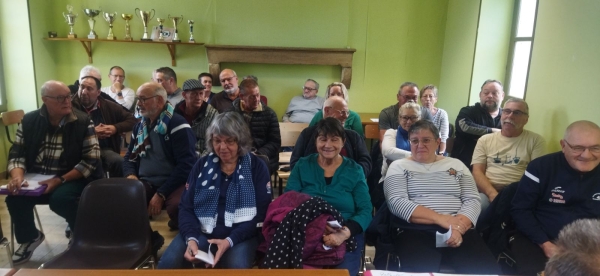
(289,135)
(10,118)
(372,133)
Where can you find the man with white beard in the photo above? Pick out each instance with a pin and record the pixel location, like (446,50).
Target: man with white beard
(501,158)
(223,101)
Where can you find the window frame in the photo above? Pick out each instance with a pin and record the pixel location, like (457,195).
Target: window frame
(513,42)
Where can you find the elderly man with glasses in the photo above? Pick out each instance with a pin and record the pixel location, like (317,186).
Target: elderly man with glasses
(556,190)
(58,143)
(303,108)
(117,90)
(501,158)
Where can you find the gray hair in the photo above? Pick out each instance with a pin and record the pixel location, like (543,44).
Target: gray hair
(230,124)
(167,73)
(159,90)
(410,105)
(409,84)
(344,90)
(255,78)
(89,70)
(315,82)
(517,100)
(430,87)
(578,250)
(490,81)
(424,125)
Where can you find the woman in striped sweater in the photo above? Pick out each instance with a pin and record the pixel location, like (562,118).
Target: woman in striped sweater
(431,193)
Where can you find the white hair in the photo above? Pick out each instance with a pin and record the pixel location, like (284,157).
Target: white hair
(89,70)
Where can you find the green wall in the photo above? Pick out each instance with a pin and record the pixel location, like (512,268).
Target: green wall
(395,41)
(564,77)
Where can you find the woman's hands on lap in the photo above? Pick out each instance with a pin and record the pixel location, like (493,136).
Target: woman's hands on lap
(455,239)
(191,251)
(335,237)
(222,245)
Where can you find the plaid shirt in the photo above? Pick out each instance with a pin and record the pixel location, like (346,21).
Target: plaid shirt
(47,161)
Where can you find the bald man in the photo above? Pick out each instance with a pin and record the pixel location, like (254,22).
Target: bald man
(57,143)
(223,101)
(556,190)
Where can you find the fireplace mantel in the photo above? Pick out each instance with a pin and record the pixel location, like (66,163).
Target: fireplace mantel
(280,55)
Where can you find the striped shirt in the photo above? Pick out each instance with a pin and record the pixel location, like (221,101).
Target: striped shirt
(47,160)
(440,120)
(447,187)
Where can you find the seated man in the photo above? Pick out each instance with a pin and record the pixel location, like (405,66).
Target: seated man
(578,250)
(196,111)
(117,90)
(303,108)
(223,101)
(354,146)
(556,190)
(110,121)
(161,153)
(207,80)
(500,158)
(262,120)
(168,79)
(59,142)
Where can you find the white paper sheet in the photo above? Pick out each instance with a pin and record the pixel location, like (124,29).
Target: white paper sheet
(33,180)
(206,257)
(440,239)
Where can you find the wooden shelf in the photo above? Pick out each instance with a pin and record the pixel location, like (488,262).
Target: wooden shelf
(280,55)
(87,45)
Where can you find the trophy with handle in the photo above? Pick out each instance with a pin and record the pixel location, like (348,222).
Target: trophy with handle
(176,20)
(70,18)
(127,17)
(192,40)
(110,18)
(161,37)
(145,16)
(91,14)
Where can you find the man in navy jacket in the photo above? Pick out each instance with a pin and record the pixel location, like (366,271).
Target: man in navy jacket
(556,190)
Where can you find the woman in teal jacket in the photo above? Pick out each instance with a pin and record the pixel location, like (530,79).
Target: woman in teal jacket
(353,121)
(339,181)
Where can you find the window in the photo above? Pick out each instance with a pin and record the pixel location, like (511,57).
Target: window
(521,45)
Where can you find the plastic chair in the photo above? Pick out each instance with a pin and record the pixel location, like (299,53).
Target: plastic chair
(112,228)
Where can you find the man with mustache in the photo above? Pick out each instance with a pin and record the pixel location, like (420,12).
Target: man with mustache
(474,121)
(556,190)
(223,101)
(501,158)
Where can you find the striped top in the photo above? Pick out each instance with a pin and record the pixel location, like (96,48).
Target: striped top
(445,186)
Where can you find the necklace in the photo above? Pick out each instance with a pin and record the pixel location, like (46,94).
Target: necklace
(428,168)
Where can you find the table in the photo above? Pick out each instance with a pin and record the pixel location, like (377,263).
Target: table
(365,118)
(185,272)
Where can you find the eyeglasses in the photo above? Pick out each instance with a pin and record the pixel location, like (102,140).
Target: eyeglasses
(430,96)
(143,100)
(581,149)
(60,99)
(308,88)
(343,112)
(424,141)
(507,112)
(412,118)
(119,76)
(410,98)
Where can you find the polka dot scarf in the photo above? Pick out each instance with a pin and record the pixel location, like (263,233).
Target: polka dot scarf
(240,204)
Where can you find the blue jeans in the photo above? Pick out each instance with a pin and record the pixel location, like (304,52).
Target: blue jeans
(352,260)
(240,256)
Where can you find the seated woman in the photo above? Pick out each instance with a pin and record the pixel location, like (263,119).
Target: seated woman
(395,145)
(430,193)
(353,121)
(339,181)
(227,194)
(429,96)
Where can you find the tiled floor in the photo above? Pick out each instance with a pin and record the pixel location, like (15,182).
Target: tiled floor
(56,242)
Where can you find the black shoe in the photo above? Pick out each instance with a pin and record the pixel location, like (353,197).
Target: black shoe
(23,254)
(173,225)
(157,241)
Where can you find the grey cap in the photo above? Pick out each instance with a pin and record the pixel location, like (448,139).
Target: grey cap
(193,84)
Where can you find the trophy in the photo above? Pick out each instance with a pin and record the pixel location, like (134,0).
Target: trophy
(145,16)
(176,20)
(110,18)
(91,14)
(161,37)
(191,22)
(127,17)
(70,17)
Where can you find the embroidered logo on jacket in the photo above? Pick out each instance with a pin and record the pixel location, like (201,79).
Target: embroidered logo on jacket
(596,196)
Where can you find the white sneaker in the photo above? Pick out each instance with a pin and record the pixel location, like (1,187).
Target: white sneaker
(23,254)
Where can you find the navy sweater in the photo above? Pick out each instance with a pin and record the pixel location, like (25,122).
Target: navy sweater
(189,225)
(551,195)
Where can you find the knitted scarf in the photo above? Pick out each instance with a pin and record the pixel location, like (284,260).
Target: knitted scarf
(240,202)
(142,142)
(402,139)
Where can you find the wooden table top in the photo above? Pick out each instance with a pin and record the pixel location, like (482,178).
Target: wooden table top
(185,272)
(365,118)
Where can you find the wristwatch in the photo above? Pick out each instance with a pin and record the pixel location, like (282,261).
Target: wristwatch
(120,94)
(62,179)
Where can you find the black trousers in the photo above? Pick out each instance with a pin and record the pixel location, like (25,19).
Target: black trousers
(417,253)
(530,257)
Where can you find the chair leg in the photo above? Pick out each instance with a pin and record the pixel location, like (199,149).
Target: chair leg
(12,229)
(4,242)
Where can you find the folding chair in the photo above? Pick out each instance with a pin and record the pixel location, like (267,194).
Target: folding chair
(289,135)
